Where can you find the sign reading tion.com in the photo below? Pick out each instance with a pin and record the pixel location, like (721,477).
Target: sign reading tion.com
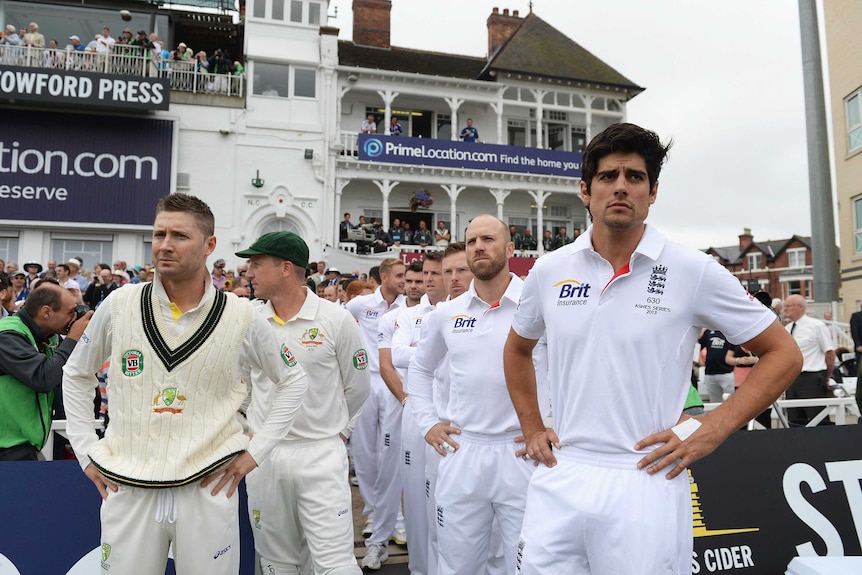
(82,168)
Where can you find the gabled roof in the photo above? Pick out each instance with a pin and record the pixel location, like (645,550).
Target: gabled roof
(409,60)
(770,248)
(539,49)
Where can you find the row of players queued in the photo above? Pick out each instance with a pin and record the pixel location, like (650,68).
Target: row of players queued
(607,471)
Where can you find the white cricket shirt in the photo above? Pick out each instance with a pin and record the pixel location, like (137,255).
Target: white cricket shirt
(620,346)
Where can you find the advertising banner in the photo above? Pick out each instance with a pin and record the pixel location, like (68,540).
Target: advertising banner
(468,155)
(82,168)
(761,499)
(765,497)
(84,88)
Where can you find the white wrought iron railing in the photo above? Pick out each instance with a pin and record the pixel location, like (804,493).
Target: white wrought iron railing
(183,75)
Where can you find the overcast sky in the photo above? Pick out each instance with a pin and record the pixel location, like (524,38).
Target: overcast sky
(723,79)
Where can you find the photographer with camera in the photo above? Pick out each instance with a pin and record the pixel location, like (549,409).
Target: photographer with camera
(31,366)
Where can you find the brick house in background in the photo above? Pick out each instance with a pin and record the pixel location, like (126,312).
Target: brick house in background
(780,267)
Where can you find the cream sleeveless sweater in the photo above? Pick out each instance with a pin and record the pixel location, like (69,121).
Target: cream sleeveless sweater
(172,401)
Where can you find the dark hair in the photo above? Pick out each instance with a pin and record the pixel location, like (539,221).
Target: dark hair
(625,138)
(44,295)
(180,202)
(4,281)
(433,256)
(415,266)
(64,266)
(454,248)
(375,273)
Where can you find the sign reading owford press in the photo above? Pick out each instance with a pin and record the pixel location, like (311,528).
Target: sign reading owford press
(82,168)
(84,88)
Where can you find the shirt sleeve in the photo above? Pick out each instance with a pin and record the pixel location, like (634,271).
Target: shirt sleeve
(420,376)
(529,320)
(403,347)
(263,349)
(386,327)
(723,304)
(79,381)
(353,364)
(20,359)
(824,338)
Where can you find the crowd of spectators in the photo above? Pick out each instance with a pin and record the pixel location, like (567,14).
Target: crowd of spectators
(22,48)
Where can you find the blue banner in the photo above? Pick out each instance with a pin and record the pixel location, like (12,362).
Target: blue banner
(468,155)
(81,168)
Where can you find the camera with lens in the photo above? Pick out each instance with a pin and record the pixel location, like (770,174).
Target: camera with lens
(81,310)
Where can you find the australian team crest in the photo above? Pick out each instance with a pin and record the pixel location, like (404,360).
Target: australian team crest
(169,400)
(133,363)
(311,338)
(255,514)
(657,280)
(106,551)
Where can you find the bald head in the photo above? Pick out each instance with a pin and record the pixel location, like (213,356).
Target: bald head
(486,220)
(794,307)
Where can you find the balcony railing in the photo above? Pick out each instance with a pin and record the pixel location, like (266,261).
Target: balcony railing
(183,75)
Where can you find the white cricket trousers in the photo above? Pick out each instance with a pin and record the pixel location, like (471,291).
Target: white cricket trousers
(299,499)
(432,467)
(363,442)
(139,525)
(481,481)
(413,482)
(387,487)
(600,515)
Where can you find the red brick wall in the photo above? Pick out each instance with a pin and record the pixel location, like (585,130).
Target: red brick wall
(501,27)
(371,26)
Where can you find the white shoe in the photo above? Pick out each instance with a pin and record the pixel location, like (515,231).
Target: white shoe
(354,481)
(369,527)
(399,536)
(376,555)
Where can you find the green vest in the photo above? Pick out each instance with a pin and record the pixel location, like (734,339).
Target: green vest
(25,415)
(693,399)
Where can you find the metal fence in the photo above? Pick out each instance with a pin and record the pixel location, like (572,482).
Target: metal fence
(183,75)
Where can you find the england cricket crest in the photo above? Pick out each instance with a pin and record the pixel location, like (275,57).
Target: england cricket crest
(657,280)
(169,400)
(133,363)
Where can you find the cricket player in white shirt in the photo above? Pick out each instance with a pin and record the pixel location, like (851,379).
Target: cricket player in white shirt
(480,479)
(177,347)
(368,437)
(598,503)
(300,498)
(403,345)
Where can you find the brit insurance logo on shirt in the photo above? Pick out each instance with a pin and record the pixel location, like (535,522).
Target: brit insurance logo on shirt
(371,313)
(462,323)
(572,292)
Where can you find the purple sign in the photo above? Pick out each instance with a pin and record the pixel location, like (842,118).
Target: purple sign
(469,155)
(82,168)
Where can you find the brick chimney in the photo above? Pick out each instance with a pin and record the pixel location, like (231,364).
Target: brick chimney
(501,27)
(745,238)
(371,26)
